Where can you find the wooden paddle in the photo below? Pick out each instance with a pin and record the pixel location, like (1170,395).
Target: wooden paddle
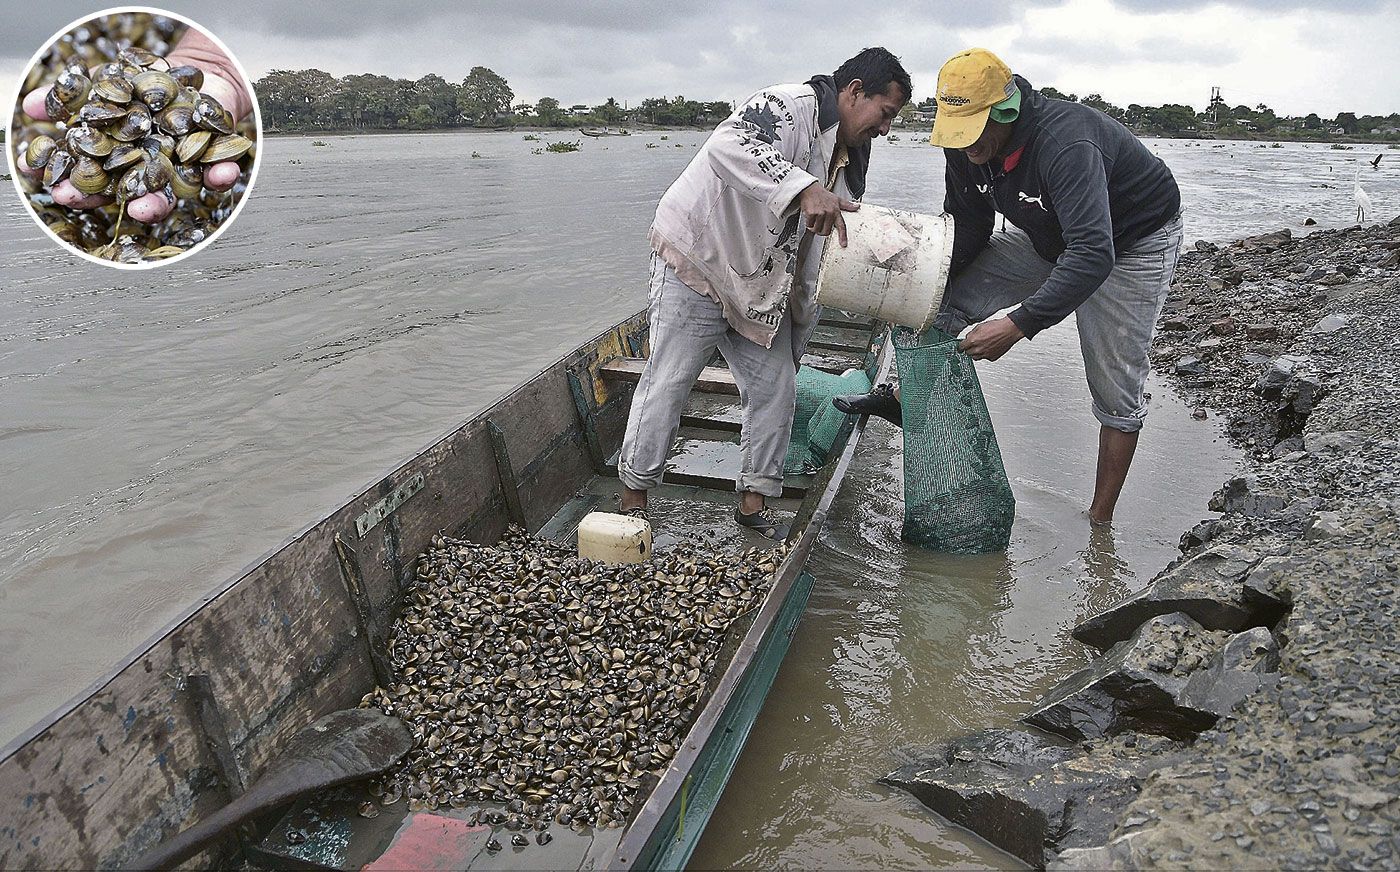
(341,747)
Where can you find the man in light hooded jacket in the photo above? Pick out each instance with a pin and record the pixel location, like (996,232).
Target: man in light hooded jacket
(735,263)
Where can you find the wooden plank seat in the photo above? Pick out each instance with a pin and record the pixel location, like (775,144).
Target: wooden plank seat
(711,459)
(712,380)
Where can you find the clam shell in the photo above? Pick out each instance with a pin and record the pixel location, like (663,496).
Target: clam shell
(40,149)
(109,70)
(161,142)
(66,231)
(88,175)
(230,147)
(57,169)
(210,115)
(130,251)
(176,119)
(133,183)
(90,141)
(139,57)
(122,156)
(188,76)
(71,88)
(100,112)
(116,89)
(155,88)
(187,180)
(54,107)
(135,125)
(159,171)
(192,145)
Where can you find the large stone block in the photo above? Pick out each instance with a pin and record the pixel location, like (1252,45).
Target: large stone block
(1267,241)
(1136,685)
(1250,661)
(1209,587)
(1028,793)
(1172,678)
(1276,376)
(1244,495)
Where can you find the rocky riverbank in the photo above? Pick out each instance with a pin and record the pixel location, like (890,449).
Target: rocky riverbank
(1245,711)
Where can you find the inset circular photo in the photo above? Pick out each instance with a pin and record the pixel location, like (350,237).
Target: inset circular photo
(134,137)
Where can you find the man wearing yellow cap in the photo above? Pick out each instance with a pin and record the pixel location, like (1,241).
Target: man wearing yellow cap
(1096,230)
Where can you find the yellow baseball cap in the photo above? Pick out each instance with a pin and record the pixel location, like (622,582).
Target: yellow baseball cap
(969,85)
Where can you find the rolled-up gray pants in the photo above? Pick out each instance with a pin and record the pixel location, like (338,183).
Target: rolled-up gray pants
(686,328)
(1115,323)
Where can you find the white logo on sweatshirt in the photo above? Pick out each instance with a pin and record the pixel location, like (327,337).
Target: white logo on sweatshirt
(1024,198)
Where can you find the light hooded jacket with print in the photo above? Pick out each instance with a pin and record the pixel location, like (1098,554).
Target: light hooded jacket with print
(730,225)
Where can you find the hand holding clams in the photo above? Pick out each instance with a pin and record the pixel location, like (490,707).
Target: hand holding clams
(119,151)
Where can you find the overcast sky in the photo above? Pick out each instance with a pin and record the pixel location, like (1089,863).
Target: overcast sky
(1297,56)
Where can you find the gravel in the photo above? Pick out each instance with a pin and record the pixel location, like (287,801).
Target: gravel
(1293,343)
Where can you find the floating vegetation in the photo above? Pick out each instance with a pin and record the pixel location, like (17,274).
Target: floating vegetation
(664,138)
(1337,146)
(123,123)
(530,137)
(559,147)
(652,145)
(317,142)
(545,688)
(1276,145)
(476,154)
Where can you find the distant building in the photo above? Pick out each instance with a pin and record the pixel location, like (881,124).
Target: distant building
(579,109)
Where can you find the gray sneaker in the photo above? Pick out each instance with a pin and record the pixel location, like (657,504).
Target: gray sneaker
(763,522)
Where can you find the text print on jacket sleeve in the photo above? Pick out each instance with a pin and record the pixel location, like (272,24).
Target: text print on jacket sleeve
(755,152)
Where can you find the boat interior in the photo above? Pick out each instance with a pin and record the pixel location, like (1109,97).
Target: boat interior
(694,505)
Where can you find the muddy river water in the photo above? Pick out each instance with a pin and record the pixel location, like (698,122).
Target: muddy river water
(161,430)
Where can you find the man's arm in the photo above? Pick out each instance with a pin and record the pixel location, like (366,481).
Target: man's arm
(973,215)
(753,152)
(1077,183)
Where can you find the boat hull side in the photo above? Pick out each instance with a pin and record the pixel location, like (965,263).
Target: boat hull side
(126,763)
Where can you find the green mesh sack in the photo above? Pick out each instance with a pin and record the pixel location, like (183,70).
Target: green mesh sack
(816,423)
(956,495)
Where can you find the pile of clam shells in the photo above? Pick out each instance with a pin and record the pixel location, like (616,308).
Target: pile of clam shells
(546,688)
(124,123)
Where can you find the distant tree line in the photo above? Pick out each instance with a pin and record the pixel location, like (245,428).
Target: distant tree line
(316,100)
(1220,119)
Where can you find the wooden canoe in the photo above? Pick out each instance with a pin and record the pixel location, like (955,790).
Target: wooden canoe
(177,728)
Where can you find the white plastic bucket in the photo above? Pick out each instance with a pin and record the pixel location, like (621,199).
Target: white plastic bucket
(612,538)
(894,266)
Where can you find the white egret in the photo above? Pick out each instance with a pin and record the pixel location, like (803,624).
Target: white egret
(1363,199)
